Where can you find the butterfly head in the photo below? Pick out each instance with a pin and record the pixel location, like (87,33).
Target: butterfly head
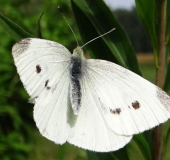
(78,53)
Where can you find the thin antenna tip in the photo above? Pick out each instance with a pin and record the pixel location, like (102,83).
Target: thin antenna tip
(112,29)
(59,9)
(67,24)
(99,37)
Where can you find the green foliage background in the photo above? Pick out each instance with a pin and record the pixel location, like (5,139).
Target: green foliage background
(19,138)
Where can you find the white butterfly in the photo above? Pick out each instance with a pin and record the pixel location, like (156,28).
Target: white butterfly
(93,104)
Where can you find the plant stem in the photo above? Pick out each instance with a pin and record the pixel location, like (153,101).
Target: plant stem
(160,74)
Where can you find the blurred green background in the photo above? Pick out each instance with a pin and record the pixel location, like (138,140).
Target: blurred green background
(19,137)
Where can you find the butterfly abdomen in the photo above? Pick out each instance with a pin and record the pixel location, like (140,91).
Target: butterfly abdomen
(76,63)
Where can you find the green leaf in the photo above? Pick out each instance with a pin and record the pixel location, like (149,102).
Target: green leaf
(13,29)
(148,16)
(100,156)
(143,146)
(121,154)
(93,21)
(138,148)
(39,33)
(166,141)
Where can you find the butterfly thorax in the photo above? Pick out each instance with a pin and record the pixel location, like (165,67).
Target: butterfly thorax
(76,66)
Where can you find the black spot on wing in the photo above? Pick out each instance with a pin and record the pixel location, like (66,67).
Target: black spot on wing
(46,83)
(48,88)
(136,105)
(38,68)
(115,111)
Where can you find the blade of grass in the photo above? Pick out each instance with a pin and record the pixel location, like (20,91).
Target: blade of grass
(13,29)
(39,33)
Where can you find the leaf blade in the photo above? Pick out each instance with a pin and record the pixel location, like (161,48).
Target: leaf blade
(148,16)
(13,29)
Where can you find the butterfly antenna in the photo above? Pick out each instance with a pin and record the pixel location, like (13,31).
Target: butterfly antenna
(98,37)
(68,25)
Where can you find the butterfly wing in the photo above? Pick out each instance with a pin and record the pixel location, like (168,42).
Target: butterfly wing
(128,103)
(52,109)
(43,67)
(91,130)
(37,61)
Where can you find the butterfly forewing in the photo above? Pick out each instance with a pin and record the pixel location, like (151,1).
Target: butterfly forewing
(129,103)
(37,61)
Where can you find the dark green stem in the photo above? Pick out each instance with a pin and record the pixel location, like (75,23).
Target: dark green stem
(160,74)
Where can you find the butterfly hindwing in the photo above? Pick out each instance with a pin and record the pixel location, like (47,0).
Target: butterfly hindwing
(91,130)
(51,111)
